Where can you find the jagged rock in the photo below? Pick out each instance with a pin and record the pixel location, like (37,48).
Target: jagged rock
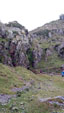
(15,24)
(2,30)
(12,29)
(61,50)
(18,47)
(37,55)
(48,53)
(14,42)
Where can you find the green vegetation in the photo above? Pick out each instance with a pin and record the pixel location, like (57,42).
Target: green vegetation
(8,79)
(30,56)
(43,32)
(1,58)
(53,62)
(45,45)
(41,86)
(3,39)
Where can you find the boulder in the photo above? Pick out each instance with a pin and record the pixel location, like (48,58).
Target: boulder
(48,53)
(61,50)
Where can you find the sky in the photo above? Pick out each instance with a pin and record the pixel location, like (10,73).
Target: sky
(31,13)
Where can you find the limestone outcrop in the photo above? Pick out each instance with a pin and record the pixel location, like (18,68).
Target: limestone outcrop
(15,41)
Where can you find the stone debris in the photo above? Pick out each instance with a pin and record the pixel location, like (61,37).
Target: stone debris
(53,100)
(4,99)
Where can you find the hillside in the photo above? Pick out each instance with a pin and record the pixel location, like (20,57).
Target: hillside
(42,48)
(58,24)
(17,47)
(31,93)
(30,66)
(50,38)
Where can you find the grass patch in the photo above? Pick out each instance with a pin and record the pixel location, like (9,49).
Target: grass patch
(53,62)
(44,86)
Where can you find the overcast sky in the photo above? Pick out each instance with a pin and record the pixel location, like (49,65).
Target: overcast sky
(31,13)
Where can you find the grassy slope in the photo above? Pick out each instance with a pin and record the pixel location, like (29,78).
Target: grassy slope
(13,77)
(43,86)
(56,39)
(53,61)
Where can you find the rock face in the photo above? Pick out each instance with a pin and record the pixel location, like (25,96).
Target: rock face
(50,38)
(15,41)
(61,50)
(40,48)
(37,55)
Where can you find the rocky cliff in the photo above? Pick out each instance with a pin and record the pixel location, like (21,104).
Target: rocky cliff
(51,39)
(17,46)
(42,48)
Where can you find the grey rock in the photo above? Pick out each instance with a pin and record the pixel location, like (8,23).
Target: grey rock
(37,55)
(15,109)
(14,44)
(53,100)
(61,50)
(48,53)
(4,99)
(62,17)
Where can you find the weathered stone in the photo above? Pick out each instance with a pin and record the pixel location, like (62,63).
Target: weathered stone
(15,109)
(61,50)
(48,53)
(37,55)
(13,50)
